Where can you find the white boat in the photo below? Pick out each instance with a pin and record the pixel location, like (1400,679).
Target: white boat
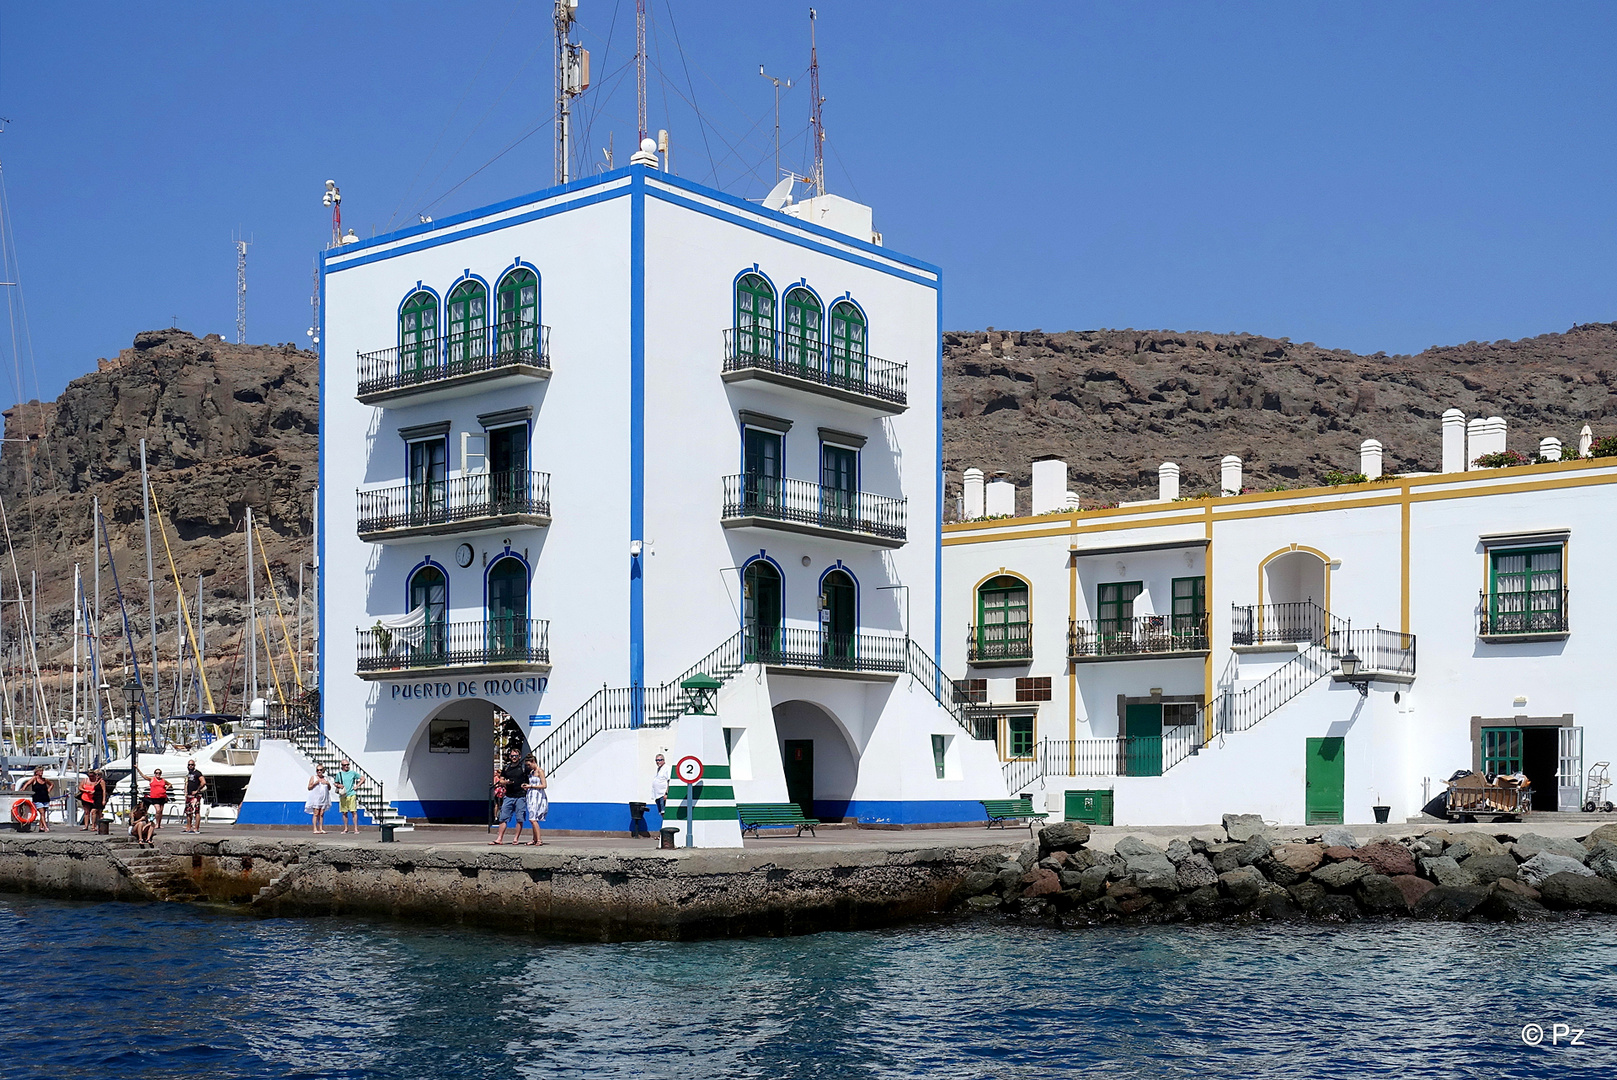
(227,763)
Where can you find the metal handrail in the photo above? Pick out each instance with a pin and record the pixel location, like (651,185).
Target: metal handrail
(502,639)
(462,498)
(1292,623)
(824,364)
(807,503)
(1137,635)
(971,716)
(791,646)
(1491,621)
(1121,755)
(999,641)
(437,359)
(299,724)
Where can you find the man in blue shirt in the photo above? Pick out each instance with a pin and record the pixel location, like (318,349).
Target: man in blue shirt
(348,780)
(514,805)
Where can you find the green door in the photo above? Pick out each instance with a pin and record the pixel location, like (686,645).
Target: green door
(1142,742)
(1325,775)
(797,755)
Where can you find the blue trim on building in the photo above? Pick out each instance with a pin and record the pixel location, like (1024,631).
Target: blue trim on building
(735,298)
(901,812)
(444,331)
(820,587)
(527,570)
(290,813)
(409,583)
(320,496)
(937,515)
(637,425)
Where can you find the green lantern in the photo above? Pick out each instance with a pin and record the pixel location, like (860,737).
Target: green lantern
(701,694)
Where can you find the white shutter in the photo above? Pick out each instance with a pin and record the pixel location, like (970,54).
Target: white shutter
(1569,777)
(473,453)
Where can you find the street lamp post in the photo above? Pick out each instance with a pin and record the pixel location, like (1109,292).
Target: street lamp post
(132,696)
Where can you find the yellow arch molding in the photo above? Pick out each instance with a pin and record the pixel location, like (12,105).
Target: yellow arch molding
(1291,549)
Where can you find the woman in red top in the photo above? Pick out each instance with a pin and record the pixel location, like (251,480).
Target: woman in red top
(157,796)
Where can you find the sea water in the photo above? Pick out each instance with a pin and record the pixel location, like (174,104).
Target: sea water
(162,990)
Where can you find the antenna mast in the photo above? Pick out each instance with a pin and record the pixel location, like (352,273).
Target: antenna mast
(816,122)
(777,82)
(314,307)
(241,289)
(572,79)
(333,199)
(640,64)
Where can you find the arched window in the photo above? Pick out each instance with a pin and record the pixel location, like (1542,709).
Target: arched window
(839,603)
(1002,626)
(847,342)
(418,332)
(761,608)
(508,607)
(755,319)
(517,318)
(430,589)
(468,322)
(805,331)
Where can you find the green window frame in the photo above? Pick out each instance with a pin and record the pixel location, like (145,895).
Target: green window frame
(1501,751)
(418,332)
(1019,736)
(847,342)
(755,318)
(467,316)
(1190,606)
(1114,605)
(1525,590)
(805,330)
(517,316)
(1002,619)
(940,746)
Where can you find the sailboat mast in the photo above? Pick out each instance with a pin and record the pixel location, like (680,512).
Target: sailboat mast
(78,628)
(155,689)
(252,621)
(202,643)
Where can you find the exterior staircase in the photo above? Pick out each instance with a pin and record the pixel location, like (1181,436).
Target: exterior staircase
(155,869)
(300,725)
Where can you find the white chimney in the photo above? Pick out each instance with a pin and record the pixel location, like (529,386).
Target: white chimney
(1496,435)
(1476,441)
(1229,475)
(1549,448)
(1000,498)
(1586,439)
(1049,485)
(973,492)
(1454,441)
(1070,502)
(1370,458)
(1167,481)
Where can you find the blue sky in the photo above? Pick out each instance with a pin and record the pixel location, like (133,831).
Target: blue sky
(1366,176)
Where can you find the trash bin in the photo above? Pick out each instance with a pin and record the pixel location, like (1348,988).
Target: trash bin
(637,820)
(668,835)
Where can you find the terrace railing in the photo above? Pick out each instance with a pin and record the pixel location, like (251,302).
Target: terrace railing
(999,642)
(436,360)
(789,646)
(801,502)
(1139,635)
(831,366)
(1301,622)
(1502,614)
(461,499)
(498,640)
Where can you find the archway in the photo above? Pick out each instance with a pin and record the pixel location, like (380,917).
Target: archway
(839,601)
(429,589)
(1295,597)
(448,767)
(761,608)
(507,607)
(821,765)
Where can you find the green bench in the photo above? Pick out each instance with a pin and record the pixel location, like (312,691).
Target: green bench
(1004,812)
(755,816)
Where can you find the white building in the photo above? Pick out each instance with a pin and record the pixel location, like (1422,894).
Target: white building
(1182,658)
(580,445)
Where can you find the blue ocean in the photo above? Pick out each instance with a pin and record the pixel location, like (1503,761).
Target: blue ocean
(131,990)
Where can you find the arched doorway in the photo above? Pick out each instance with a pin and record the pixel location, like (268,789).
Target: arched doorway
(761,608)
(507,607)
(1295,597)
(447,774)
(429,589)
(821,765)
(839,617)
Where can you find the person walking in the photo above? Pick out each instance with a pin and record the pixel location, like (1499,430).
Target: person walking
(348,780)
(512,780)
(319,800)
(39,793)
(194,785)
(538,798)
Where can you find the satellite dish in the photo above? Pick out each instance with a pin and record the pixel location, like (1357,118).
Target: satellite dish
(781,196)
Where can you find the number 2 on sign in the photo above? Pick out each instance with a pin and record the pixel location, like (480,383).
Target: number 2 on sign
(689,769)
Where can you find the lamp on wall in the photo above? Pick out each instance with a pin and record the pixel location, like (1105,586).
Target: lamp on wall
(701,694)
(1351,674)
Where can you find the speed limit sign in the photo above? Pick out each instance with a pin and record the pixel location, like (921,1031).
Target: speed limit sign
(688,769)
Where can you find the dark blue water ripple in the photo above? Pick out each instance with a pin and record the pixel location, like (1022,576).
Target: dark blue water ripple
(121,990)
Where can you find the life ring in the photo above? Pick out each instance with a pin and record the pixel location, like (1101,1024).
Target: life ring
(23,812)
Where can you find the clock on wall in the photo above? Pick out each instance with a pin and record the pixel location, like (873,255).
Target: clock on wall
(463,556)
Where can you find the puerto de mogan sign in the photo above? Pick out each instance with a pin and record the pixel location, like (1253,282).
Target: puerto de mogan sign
(467,688)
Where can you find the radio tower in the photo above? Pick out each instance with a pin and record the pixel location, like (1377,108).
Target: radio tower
(816,122)
(640,66)
(572,79)
(241,288)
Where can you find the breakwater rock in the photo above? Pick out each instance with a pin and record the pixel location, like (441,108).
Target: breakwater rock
(1250,872)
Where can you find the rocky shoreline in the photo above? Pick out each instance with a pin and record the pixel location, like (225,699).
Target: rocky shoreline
(1251,871)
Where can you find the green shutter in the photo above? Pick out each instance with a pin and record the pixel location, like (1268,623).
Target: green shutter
(1002,619)
(1501,750)
(1525,591)
(418,332)
(805,330)
(517,317)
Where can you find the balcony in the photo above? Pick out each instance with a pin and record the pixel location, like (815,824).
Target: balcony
(1002,644)
(850,655)
(498,646)
(1139,637)
(1301,623)
(798,506)
(1508,617)
(474,503)
(454,366)
(869,382)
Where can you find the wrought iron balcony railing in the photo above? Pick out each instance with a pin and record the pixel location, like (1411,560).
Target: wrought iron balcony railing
(464,500)
(815,506)
(1380,652)
(1299,623)
(434,361)
(1007,642)
(500,640)
(1502,614)
(802,647)
(1139,635)
(830,366)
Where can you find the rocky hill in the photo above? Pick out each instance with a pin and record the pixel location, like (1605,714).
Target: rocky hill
(1117,403)
(227,427)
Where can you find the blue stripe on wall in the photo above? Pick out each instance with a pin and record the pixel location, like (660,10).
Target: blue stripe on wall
(288,813)
(637,423)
